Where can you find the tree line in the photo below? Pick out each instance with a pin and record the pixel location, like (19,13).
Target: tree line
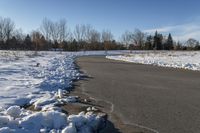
(56,35)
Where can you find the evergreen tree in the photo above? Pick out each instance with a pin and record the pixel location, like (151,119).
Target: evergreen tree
(65,45)
(27,43)
(55,45)
(149,43)
(178,46)
(43,45)
(13,43)
(73,46)
(169,43)
(157,44)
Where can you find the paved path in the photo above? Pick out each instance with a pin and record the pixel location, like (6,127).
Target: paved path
(162,99)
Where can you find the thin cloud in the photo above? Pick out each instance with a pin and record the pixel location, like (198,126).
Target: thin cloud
(180,32)
(163,29)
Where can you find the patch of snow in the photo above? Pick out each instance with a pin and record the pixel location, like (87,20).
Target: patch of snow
(14,111)
(42,80)
(23,80)
(69,129)
(39,120)
(89,109)
(60,93)
(4,120)
(5,130)
(84,121)
(45,100)
(49,121)
(175,59)
(70,99)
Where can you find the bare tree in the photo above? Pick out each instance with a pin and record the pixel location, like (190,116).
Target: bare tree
(88,31)
(94,36)
(80,32)
(19,35)
(138,38)
(83,32)
(7,27)
(63,30)
(192,43)
(46,28)
(36,38)
(55,31)
(106,36)
(70,37)
(50,29)
(1,29)
(127,38)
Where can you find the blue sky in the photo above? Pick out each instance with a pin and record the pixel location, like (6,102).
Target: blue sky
(180,17)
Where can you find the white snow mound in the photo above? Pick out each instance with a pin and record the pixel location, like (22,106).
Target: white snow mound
(50,120)
(14,111)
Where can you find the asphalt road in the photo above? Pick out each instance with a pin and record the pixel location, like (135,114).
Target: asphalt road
(166,100)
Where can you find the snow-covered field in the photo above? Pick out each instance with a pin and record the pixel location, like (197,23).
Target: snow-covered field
(176,59)
(41,80)
(32,76)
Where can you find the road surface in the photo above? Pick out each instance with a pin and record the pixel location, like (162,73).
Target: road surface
(163,100)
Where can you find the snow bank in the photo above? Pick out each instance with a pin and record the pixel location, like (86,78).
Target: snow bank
(26,76)
(42,80)
(88,121)
(50,121)
(23,80)
(175,59)
(33,122)
(45,100)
